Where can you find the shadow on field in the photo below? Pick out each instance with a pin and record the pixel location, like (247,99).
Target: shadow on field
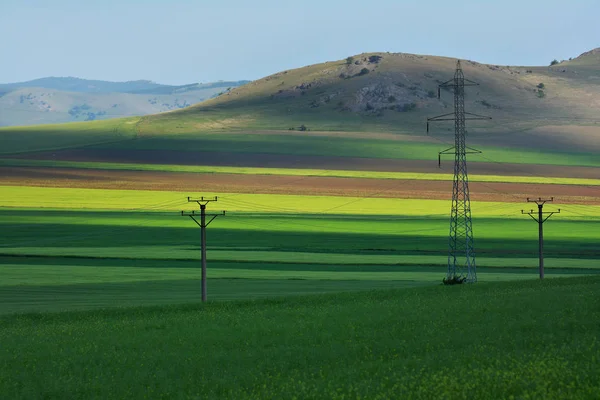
(377,235)
(19,299)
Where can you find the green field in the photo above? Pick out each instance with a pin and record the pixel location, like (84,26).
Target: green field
(136,245)
(348,147)
(516,340)
(53,137)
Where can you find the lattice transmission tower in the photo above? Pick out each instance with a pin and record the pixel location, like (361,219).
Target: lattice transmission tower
(461,254)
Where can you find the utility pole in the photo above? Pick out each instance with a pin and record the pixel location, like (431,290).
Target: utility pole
(540,220)
(202,202)
(461,255)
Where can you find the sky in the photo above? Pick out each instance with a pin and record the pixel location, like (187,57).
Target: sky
(187,41)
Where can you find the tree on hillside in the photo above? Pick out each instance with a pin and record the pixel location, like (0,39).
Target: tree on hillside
(363,71)
(554,62)
(374,59)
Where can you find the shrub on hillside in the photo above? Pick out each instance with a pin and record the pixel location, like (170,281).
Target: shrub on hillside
(374,59)
(540,85)
(554,62)
(363,71)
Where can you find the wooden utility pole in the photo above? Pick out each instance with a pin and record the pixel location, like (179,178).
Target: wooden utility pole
(540,220)
(202,202)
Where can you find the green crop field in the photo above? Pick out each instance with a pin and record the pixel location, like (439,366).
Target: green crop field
(55,137)
(513,340)
(68,242)
(345,147)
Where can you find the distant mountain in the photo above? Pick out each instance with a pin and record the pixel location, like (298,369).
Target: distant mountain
(70,84)
(164,89)
(54,100)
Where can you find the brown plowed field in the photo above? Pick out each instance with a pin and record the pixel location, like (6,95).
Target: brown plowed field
(296,161)
(274,184)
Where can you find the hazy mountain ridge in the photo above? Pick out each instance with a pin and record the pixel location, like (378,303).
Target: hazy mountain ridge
(72,84)
(54,100)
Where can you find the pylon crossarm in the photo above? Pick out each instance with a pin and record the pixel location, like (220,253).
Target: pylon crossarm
(446,84)
(477,116)
(469,82)
(452,84)
(473,151)
(440,116)
(446,151)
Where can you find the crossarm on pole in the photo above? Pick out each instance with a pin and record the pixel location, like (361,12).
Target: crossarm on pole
(214,216)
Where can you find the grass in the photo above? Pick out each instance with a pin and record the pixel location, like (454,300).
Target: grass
(66,249)
(60,136)
(73,198)
(346,147)
(291,172)
(168,236)
(41,284)
(89,294)
(525,339)
(148,200)
(56,251)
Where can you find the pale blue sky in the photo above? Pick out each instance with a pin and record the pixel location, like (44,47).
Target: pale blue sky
(184,41)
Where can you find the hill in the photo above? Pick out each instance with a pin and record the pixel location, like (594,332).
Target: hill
(397,92)
(542,107)
(54,100)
